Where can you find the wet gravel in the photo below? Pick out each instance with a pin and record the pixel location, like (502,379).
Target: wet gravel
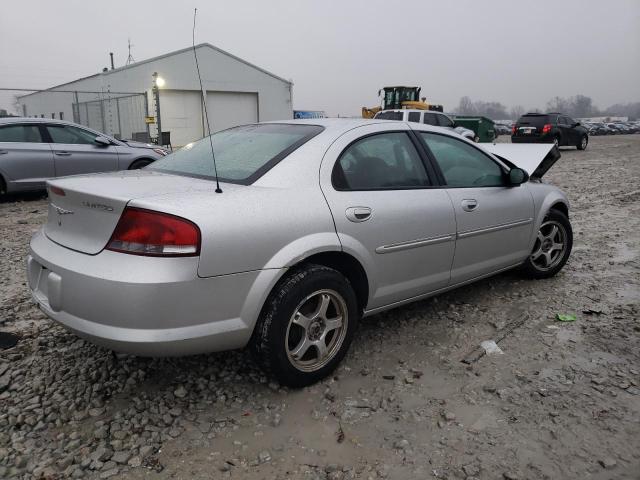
(562,401)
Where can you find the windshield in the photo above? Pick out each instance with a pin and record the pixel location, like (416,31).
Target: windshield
(243,154)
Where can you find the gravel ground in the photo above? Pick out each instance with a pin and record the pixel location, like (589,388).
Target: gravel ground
(562,402)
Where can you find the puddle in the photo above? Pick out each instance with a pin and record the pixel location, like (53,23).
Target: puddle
(8,340)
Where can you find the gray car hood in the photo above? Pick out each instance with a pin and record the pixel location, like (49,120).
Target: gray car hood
(534,158)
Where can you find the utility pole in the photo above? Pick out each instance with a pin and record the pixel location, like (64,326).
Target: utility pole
(156,99)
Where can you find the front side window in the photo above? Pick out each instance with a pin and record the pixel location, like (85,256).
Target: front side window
(68,134)
(445,121)
(385,161)
(242,154)
(462,164)
(414,117)
(430,118)
(20,133)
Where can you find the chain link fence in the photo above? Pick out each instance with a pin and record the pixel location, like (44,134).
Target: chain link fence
(119,114)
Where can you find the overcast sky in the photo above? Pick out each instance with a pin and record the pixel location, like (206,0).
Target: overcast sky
(340,52)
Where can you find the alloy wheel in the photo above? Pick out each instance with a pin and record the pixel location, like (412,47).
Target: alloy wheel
(550,245)
(316,330)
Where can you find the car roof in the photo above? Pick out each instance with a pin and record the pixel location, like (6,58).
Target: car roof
(338,126)
(419,110)
(10,120)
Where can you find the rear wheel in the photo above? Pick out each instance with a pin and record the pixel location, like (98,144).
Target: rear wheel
(139,164)
(306,326)
(552,246)
(3,187)
(582,144)
(556,141)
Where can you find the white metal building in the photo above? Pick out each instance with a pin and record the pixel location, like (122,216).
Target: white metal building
(236,92)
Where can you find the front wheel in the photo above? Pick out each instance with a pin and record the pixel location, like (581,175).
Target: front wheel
(306,326)
(582,144)
(552,247)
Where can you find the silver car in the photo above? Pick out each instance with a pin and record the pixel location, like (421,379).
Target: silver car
(318,223)
(33,150)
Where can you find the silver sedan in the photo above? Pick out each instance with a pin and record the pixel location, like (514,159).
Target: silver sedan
(33,150)
(318,223)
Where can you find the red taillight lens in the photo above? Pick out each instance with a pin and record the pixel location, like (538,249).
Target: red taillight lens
(145,232)
(546,128)
(57,190)
(513,130)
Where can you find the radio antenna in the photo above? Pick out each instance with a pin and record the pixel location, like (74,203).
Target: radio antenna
(204,103)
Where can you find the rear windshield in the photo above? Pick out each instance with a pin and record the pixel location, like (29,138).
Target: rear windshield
(389,116)
(534,120)
(243,154)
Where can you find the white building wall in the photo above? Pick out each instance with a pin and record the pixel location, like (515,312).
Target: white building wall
(221,72)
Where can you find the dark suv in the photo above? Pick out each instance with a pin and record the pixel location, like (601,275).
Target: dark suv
(550,128)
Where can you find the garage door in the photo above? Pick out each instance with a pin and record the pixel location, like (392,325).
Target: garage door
(228,109)
(181,114)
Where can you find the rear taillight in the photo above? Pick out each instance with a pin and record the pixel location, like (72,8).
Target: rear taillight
(513,130)
(546,128)
(57,190)
(145,232)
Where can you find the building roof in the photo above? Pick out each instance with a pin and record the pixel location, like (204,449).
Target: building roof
(160,57)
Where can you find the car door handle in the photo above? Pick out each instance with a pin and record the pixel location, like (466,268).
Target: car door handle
(63,154)
(469,204)
(358,214)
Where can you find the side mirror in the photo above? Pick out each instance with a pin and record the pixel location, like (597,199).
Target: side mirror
(517,176)
(102,141)
(577,124)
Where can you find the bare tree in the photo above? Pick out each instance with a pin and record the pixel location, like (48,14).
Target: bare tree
(516,112)
(466,106)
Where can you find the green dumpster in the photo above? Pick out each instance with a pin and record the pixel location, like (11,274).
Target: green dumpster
(483,127)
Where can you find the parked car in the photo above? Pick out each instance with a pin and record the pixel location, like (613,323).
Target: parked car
(502,129)
(427,117)
(33,150)
(317,223)
(550,128)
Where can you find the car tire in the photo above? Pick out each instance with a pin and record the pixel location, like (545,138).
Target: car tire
(583,143)
(3,187)
(476,139)
(138,164)
(546,259)
(556,141)
(300,315)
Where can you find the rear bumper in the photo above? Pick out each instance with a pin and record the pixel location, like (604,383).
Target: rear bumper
(143,305)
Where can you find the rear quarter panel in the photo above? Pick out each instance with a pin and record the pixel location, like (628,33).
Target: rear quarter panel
(253,228)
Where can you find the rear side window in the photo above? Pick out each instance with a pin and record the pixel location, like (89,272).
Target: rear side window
(534,120)
(430,118)
(445,121)
(389,116)
(20,133)
(385,161)
(414,117)
(462,164)
(243,154)
(68,134)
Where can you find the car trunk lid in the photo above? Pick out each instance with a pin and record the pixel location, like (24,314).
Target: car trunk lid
(84,210)
(531,125)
